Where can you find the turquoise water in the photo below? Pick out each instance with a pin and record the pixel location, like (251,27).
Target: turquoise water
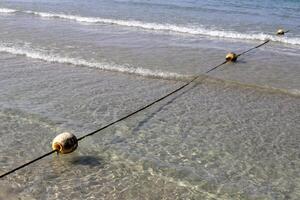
(76,66)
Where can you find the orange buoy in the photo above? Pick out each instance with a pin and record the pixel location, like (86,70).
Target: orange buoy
(231,57)
(65,143)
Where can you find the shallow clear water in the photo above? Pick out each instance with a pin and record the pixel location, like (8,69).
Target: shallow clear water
(76,66)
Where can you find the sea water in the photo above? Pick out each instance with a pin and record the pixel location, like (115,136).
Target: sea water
(78,65)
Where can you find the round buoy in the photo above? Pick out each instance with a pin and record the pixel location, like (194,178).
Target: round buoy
(65,143)
(231,57)
(280,32)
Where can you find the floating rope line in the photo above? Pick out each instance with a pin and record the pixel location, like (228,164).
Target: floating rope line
(137,111)
(253,48)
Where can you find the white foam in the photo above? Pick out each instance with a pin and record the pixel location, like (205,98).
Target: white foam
(7,10)
(172,28)
(82,62)
(295,92)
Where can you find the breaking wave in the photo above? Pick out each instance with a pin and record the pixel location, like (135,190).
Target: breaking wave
(7,10)
(193,30)
(172,28)
(31,53)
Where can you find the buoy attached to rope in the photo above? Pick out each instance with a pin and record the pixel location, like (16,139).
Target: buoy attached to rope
(65,143)
(231,57)
(281,32)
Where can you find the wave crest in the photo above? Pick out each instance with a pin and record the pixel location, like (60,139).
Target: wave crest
(193,30)
(82,62)
(172,28)
(7,10)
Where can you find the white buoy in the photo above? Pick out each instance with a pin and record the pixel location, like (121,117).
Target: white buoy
(65,143)
(280,32)
(231,57)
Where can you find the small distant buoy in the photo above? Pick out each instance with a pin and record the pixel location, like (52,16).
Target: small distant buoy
(232,57)
(65,143)
(280,32)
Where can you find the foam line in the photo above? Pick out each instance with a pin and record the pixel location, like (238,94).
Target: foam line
(7,10)
(82,62)
(172,28)
(192,30)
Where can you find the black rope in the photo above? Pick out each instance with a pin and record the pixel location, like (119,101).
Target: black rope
(253,48)
(139,110)
(24,165)
(133,113)
(150,104)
